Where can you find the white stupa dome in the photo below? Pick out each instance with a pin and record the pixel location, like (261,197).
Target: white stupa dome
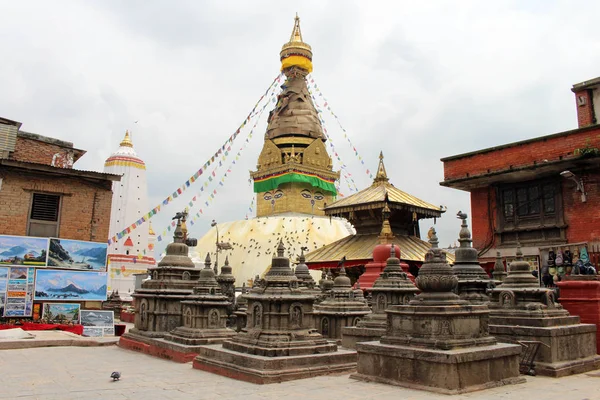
(254,241)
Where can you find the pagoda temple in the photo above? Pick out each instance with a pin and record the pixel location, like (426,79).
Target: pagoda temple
(365,211)
(293,181)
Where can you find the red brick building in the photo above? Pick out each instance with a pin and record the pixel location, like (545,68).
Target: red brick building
(542,192)
(41,194)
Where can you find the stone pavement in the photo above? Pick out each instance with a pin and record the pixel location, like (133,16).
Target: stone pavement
(84,373)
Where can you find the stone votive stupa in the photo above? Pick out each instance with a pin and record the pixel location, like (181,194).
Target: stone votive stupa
(438,342)
(305,279)
(499,273)
(158,301)
(393,287)
(521,310)
(226,282)
(279,343)
(473,281)
(345,306)
(204,316)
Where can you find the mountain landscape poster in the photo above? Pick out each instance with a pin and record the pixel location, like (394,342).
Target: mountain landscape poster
(98,323)
(77,254)
(61,313)
(51,285)
(23,250)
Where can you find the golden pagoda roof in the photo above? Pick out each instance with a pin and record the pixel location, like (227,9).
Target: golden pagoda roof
(379,193)
(360,247)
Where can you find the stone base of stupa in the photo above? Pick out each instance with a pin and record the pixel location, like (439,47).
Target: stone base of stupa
(351,335)
(442,371)
(565,349)
(263,370)
(167,349)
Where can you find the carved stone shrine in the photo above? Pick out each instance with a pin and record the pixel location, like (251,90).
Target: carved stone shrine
(279,343)
(521,310)
(393,287)
(438,342)
(473,281)
(345,306)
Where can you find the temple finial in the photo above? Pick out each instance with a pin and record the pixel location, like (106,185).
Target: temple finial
(381,175)
(126,142)
(386,235)
(296,33)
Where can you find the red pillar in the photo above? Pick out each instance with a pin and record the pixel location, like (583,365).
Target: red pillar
(581,296)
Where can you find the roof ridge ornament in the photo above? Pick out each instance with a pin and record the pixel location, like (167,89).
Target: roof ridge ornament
(381,175)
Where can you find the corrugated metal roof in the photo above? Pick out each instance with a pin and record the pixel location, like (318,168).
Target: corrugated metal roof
(360,247)
(376,193)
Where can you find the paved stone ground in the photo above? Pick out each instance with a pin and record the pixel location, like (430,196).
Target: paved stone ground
(83,373)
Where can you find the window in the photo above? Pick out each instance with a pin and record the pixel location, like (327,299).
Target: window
(44,215)
(530,211)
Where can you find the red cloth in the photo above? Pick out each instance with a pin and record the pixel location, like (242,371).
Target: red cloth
(28,326)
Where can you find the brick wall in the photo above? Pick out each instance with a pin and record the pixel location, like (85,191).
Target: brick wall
(483,199)
(583,219)
(585,112)
(80,200)
(35,151)
(551,148)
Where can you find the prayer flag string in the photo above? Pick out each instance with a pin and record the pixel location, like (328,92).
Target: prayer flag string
(197,174)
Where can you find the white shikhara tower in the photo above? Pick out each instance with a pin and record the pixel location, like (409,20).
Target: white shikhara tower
(134,252)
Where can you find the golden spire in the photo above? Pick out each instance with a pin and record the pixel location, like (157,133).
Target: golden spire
(386,236)
(296,34)
(126,142)
(381,173)
(296,53)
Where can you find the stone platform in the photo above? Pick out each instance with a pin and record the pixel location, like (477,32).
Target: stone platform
(165,349)
(351,335)
(265,370)
(456,371)
(565,349)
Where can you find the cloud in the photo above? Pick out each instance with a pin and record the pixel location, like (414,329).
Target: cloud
(419,80)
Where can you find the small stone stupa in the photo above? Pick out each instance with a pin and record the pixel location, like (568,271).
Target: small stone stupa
(279,343)
(157,303)
(393,287)
(473,281)
(499,273)
(344,307)
(521,310)
(305,279)
(438,342)
(204,316)
(226,282)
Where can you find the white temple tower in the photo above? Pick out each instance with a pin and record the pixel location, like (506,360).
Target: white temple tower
(134,253)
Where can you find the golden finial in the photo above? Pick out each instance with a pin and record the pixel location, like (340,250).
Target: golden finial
(386,235)
(296,34)
(296,53)
(381,173)
(126,142)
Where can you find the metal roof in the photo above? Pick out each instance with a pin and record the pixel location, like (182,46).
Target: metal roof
(377,193)
(360,247)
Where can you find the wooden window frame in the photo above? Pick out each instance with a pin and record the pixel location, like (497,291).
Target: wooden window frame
(42,222)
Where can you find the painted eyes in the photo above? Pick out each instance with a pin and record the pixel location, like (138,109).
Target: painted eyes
(278,194)
(319,196)
(306,194)
(268,196)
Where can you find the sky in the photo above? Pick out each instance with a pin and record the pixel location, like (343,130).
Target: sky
(418,80)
